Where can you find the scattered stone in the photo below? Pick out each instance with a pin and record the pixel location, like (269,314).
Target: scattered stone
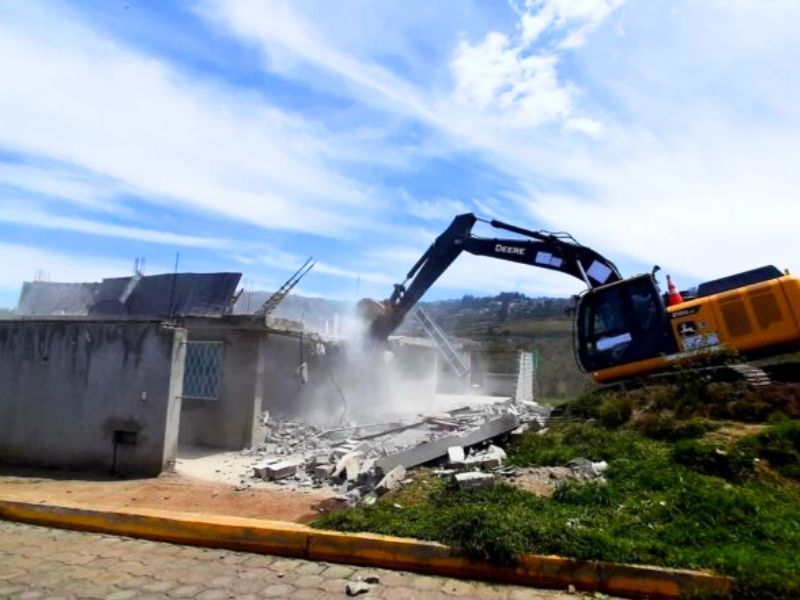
(355,588)
(371,578)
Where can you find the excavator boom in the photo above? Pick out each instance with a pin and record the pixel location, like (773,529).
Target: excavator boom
(554,251)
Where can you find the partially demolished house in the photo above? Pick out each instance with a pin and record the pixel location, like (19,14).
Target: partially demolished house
(113,374)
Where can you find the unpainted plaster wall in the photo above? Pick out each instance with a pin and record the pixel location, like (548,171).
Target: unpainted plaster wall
(230,420)
(67,386)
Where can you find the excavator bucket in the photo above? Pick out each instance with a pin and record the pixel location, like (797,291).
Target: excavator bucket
(378,317)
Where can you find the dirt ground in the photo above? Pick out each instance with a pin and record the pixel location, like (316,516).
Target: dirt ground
(168,492)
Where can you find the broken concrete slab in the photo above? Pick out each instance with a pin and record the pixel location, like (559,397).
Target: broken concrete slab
(432,450)
(474,479)
(391,480)
(281,470)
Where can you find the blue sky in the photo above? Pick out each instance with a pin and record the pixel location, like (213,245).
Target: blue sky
(248,135)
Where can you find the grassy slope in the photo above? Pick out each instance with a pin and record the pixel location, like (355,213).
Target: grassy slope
(686,503)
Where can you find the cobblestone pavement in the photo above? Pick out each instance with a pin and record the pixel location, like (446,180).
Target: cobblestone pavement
(43,563)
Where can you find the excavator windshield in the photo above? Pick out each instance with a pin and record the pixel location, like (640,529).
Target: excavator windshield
(621,323)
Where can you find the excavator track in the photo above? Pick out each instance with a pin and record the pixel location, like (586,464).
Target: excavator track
(742,373)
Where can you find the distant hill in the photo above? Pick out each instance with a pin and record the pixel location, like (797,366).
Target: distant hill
(498,325)
(508,322)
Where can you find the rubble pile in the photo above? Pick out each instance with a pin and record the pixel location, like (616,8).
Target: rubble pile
(364,461)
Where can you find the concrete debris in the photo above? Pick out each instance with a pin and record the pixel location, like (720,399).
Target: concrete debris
(456,454)
(474,479)
(323,472)
(348,464)
(361,462)
(427,452)
(280,470)
(391,481)
(586,469)
(354,588)
(521,429)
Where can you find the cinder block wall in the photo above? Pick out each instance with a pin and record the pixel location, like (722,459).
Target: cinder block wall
(73,392)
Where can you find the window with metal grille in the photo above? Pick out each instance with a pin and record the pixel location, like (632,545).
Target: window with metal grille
(202,370)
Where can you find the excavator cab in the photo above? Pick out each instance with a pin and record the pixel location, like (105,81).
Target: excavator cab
(622,323)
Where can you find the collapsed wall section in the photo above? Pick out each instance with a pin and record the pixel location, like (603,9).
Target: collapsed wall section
(90,394)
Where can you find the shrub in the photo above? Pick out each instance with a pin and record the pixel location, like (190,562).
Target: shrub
(733,463)
(663,427)
(616,410)
(780,445)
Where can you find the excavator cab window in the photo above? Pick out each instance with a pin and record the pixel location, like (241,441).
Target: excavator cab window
(621,323)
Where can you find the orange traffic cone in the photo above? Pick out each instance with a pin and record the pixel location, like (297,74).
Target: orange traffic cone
(673,295)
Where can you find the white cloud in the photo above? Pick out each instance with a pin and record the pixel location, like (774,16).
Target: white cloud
(78,98)
(27,216)
(20,263)
(688,120)
(516,77)
(496,76)
(67,185)
(439,209)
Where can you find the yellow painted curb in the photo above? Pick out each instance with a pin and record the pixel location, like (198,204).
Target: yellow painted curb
(299,541)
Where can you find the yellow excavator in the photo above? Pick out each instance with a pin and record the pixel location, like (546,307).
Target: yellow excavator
(624,328)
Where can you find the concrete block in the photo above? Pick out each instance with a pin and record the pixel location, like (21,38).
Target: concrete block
(474,479)
(281,470)
(391,481)
(456,454)
(260,470)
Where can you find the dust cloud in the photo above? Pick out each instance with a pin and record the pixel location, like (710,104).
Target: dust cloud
(361,381)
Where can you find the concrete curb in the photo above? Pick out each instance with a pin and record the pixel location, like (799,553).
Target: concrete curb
(299,541)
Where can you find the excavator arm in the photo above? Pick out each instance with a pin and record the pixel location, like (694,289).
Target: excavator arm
(554,251)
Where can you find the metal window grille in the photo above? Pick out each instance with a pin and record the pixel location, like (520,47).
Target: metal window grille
(202,370)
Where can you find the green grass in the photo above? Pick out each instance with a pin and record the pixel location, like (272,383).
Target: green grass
(654,509)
